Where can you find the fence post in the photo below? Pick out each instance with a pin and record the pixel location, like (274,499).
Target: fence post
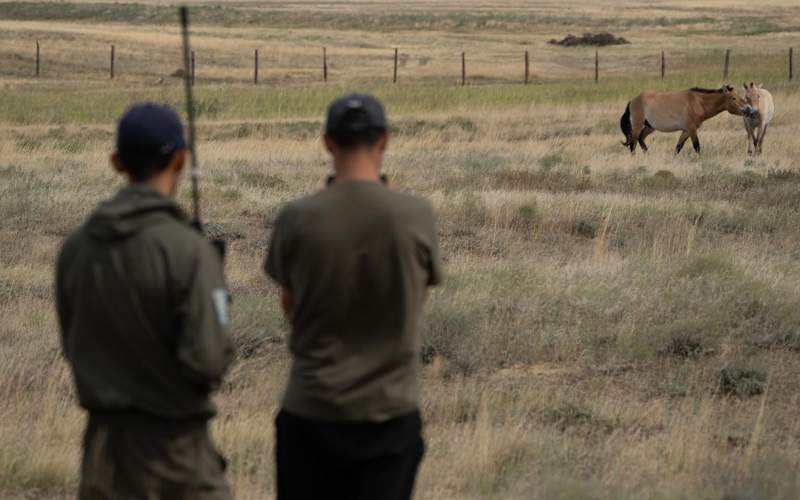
(255,67)
(192,70)
(463,68)
(324,64)
(596,66)
(394,77)
(791,63)
(37,59)
(527,67)
(727,64)
(663,64)
(111,67)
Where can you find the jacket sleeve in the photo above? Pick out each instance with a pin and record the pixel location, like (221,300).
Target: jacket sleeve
(205,349)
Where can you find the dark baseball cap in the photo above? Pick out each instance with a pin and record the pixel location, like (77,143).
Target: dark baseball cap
(149,134)
(355,113)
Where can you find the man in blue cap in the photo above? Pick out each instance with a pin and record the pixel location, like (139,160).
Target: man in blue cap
(354,263)
(143,309)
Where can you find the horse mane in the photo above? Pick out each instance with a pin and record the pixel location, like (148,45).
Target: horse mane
(711,91)
(706,91)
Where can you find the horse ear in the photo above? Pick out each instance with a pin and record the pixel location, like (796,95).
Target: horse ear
(760,85)
(745,86)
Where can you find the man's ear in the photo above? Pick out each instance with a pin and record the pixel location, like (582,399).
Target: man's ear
(178,161)
(383,142)
(117,165)
(330,146)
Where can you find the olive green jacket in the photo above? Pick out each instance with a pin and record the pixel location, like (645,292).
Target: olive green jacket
(143,309)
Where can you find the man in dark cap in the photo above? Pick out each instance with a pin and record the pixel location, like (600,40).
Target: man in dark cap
(143,309)
(354,262)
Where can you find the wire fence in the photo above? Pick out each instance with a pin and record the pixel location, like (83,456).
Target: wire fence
(478,67)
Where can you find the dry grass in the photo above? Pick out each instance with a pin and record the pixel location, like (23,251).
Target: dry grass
(360,37)
(593,300)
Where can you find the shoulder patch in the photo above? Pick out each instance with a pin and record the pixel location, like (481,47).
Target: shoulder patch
(221,298)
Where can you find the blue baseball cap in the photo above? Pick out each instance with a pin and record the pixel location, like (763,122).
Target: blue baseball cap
(149,134)
(355,113)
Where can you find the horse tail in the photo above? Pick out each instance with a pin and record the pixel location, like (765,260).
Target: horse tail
(625,125)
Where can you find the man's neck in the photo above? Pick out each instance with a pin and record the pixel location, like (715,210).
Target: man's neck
(357,168)
(160,184)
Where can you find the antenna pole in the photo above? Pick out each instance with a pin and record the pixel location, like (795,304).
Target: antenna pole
(194,171)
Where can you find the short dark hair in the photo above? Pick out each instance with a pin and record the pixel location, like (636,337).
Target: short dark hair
(141,168)
(352,139)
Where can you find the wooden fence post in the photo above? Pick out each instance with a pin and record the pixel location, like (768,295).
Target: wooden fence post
(727,64)
(527,67)
(394,77)
(463,68)
(192,70)
(111,67)
(663,64)
(324,64)
(255,67)
(791,63)
(596,66)
(37,59)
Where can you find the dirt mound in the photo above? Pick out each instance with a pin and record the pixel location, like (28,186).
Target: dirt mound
(598,40)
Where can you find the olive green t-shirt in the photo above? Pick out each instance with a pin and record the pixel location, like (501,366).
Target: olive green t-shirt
(358,259)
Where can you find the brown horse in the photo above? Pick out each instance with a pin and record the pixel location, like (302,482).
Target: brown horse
(673,111)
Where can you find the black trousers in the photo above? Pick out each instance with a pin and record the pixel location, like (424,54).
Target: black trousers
(347,461)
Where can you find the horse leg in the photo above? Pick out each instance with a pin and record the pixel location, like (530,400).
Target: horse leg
(646,132)
(634,139)
(637,126)
(696,143)
(761,139)
(751,141)
(681,141)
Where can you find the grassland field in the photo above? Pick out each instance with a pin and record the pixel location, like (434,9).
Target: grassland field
(610,327)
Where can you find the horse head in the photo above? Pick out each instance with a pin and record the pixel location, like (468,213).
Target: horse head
(752,98)
(734,103)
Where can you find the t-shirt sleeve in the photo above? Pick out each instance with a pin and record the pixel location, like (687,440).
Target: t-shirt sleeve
(62,298)
(434,263)
(277,262)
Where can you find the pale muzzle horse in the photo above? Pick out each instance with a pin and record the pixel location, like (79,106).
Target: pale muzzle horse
(757,115)
(684,111)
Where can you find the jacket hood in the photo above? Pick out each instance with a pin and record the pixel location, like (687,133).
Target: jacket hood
(131,210)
